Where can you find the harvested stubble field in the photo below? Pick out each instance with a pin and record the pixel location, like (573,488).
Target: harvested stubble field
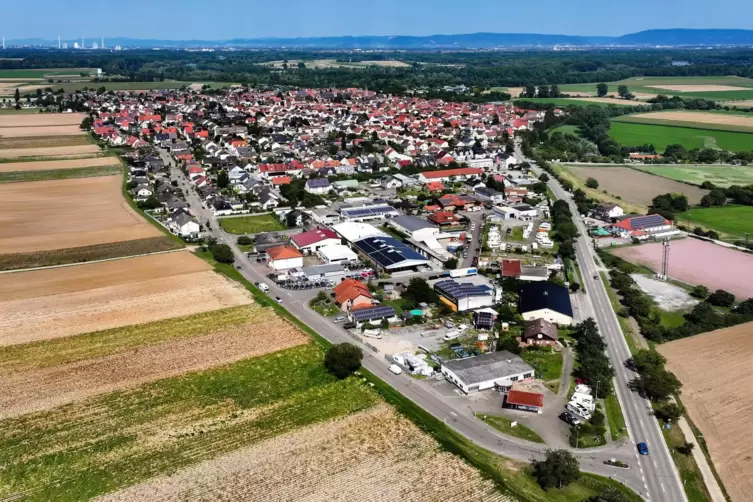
(42,119)
(43,375)
(51,151)
(44,141)
(634,186)
(698,88)
(59,174)
(40,131)
(59,214)
(50,303)
(706,120)
(717,392)
(372,456)
(108,442)
(698,262)
(722,176)
(53,165)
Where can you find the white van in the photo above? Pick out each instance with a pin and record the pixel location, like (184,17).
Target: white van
(578,410)
(451,335)
(584,400)
(396,369)
(264,287)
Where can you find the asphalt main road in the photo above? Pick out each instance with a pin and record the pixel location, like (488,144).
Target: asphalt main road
(454,411)
(657,470)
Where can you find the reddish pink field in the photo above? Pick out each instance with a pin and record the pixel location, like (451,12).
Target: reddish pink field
(699,263)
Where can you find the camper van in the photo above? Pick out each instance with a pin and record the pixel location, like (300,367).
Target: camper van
(578,410)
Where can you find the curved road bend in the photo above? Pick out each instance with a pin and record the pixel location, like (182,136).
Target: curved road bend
(460,418)
(657,470)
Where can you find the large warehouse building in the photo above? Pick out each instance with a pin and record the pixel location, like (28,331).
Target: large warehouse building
(389,254)
(462,296)
(497,369)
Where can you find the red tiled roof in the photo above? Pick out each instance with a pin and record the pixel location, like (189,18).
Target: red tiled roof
(282,180)
(519,397)
(350,289)
(313,236)
(462,171)
(510,268)
(283,253)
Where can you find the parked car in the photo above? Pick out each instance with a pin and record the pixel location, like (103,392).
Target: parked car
(279,300)
(643,448)
(569,418)
(349,325)
(396,369)
(338,319)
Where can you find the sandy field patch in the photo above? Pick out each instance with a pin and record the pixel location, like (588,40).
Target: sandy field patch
(634,186)
(717,392)
(699,118)
(514,91)
(59,214)
(611,101)
(41,119)
(372,456)
(40,389)
(53,151)
(699,88)
(666,295)
(51,303)
(54,165)
(698,262)
(745,103)
(23,132)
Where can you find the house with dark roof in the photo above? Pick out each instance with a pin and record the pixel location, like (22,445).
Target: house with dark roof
(539,332)
(318,186)
(546,300)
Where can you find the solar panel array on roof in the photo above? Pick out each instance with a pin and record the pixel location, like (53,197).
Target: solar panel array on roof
(484,319)
(388,251)
(373,313)
(651,220)
(360,212)
(458,290)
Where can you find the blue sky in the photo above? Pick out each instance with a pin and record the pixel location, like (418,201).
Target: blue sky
(224,19)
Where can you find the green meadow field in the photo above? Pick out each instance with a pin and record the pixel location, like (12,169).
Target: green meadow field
(721,176)
(732,220)
(651,85)
(633,134)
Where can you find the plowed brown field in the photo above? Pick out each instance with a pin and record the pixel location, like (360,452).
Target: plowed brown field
(30,388)
(53,165)
(717,391)
(699,118)
(59,214)
(23,132)
(372,456)
(45,304)
(52,151)
(42,119)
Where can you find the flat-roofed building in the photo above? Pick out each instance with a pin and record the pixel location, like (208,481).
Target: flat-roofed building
(487,371)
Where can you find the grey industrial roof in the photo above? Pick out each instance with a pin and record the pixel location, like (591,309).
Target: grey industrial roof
(473,370)
(322,269)
(412,223)
(533,271)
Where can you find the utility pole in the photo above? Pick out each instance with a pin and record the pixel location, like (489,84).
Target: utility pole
(665,259)
(747,234)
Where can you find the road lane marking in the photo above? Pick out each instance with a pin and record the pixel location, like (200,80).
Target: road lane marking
(662,486)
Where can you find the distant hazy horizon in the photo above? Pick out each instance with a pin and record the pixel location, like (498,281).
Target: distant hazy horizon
(187,19)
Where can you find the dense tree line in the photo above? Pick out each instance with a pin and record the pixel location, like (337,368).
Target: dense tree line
(593,363)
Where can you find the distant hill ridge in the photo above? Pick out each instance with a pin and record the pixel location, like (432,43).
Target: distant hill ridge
(664,37)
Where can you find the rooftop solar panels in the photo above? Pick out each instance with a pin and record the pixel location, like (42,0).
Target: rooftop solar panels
(458,290)
(388,252)
(368,211)
(380,312)
(652,220)
(484,320)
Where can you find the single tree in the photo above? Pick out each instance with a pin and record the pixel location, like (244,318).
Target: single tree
(559,469)
(418,291)
(611,494)
(543,91)
(245,240)
(592,183)
(701,292)
(544,177)
(669,412)
(602,89)
(721,298)
(223,180)
(623,92)
(554,91)
(530,91)
(343,359)
(17,95)
(222,253)
(686,449)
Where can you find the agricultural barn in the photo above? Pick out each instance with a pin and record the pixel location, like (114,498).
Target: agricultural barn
(373,315)
(309,242)
(548,301)
(336,254)
(523,400)
(539,332)
(462,296)
(389,254)
(414,227)
(644,227)
(496,369)
(460,174)
(284,258)
(366,213)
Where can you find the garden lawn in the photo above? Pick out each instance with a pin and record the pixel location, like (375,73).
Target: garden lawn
(614,417)
(548,365)
(504,425)
(633,134)
(732,220)
(251,224)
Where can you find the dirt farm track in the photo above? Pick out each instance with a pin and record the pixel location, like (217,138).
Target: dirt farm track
(700,263)
(714,369)
(58,214)
(54,302)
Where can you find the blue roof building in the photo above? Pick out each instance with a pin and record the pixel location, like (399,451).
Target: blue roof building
(389,254)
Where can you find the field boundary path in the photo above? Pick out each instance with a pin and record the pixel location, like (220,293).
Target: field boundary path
(715,491)
(62,265)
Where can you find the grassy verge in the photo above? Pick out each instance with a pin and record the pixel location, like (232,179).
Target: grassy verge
(251,224)
(50,258)
(58,174)
(615,417)
(692,480)
(631,336)
(504,425)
